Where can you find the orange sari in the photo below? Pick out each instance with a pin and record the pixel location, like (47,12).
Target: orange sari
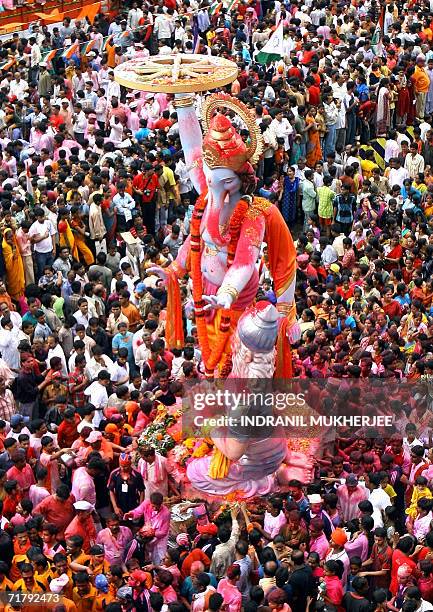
(314,151)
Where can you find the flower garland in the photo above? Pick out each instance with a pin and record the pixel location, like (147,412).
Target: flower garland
(211,357)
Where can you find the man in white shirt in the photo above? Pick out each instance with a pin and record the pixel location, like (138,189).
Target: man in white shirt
(379,499)
(124,205)
(134,16)
(397,174)
(42,235)
(282,128)
(18,87)
(414,162)
(80,124)
(97,394)
(35,59)
(113,88)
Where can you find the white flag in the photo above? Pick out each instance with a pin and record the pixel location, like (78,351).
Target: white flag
(273,50)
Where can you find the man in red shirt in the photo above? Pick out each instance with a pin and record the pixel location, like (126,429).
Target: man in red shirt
(82,524)
(164,122)
(145,188)
(313,92)
(56,120)
(294,71)
(58,509)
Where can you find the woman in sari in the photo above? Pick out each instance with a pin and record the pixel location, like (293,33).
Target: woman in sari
(66,236)
(15,280)
(79,231)
(314,151)
(393,254)
(383,113)
(290,200)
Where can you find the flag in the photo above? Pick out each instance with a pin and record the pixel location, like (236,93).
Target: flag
(215,8)
(89,11)
(376,41)
(231,5)
(54,16)
(48,57)
(69,51)
(87,47)
(107,42)
(7,64)
(273,49)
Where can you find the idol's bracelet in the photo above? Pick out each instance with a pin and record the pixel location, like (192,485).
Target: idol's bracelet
(183,102)
(229,290)
(289,310)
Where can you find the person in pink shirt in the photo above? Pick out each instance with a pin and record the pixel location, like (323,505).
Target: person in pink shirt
(349,495)
(228,589)
(162,583)
(318,540)
(156,519)
(22,473)
(114,538)
(334,589)
(25,248)
(358,547)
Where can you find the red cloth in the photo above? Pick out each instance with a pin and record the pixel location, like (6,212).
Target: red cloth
(195,555)
(58,512)
(393,309)
(314,93)
(398,559)
(67,433)
(425,585)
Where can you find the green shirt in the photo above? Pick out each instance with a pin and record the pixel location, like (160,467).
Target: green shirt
(326,198)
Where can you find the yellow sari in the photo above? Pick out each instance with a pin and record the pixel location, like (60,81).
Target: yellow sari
(66,239)
(15,281)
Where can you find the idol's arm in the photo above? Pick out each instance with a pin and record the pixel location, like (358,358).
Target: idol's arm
(244,264)
(191,139)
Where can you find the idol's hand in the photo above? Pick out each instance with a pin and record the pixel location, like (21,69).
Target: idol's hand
(158,271)
(223,300)
(294,333)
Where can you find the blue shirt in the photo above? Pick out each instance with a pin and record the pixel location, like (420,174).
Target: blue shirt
(188,590)
(124,341)
(142,134)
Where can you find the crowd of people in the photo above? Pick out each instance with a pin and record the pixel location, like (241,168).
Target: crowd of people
(95,193)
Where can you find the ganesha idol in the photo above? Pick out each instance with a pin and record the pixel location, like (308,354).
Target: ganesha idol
(227,230)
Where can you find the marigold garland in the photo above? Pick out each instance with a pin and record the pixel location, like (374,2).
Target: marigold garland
(211,357)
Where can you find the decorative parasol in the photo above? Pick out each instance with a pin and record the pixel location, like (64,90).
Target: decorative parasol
(180,73)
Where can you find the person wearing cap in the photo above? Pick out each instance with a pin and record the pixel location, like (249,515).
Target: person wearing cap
(338,553)
(83,524)
(349,495)
(126,486)
(316,511)
(207,540)
(58,586)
